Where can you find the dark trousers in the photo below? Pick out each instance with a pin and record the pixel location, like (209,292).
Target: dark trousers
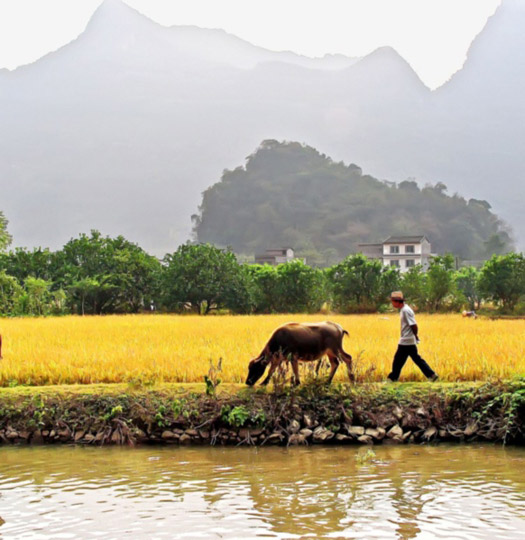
(402,353)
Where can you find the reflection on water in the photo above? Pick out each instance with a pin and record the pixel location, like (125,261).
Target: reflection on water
(404,492)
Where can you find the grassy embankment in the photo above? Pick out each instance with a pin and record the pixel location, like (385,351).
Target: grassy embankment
(233,414)
(144,357)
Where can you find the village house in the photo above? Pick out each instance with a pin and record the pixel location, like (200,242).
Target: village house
(275,256)
(403,252)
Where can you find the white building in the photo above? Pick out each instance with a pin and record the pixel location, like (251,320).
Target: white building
(275,256)
(403,252)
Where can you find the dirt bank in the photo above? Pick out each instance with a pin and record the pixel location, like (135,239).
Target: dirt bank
(310,414)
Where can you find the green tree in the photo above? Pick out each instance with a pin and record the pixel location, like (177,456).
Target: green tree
(107,275)
(240,294)
(10,292)
(37,298)
(360,284)
(5,237)
(265,291)
(85,291)
(59,302)
(390,280)
(300,288)
(136,276)
(38,263)
(293,287)
(414,286)
(467,284)
(440,280)
(206,277)
(502,279)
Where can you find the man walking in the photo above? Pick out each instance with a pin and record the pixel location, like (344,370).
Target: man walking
(408,342)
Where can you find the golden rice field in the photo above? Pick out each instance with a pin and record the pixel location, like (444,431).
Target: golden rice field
(171,348)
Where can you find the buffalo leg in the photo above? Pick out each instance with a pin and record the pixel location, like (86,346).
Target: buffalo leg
(334,364)
(295,369)
(347,359)
(318,366)
(319,363)
(273,365)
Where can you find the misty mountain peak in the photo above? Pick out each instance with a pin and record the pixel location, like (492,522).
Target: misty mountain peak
(114,15)
(119,35)
(386,52)
(387,56)
(495,57)
(503,33)
(385,63)
(113,9)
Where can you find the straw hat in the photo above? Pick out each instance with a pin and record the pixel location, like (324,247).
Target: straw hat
(397,295)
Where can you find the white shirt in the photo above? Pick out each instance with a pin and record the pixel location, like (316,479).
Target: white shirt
(408,319)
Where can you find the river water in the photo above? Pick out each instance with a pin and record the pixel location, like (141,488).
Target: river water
(464,492)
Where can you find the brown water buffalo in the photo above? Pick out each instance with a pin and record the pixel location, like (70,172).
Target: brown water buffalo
(301,342)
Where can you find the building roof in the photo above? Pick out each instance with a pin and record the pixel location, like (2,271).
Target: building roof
(405,239)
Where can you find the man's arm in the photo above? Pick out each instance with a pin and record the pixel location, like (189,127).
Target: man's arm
(411,321)
(415,330)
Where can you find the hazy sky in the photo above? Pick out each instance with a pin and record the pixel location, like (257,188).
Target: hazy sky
(432,35)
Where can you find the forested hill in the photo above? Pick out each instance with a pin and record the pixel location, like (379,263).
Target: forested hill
(289,194)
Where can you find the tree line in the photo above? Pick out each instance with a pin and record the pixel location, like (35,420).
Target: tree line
(96,274)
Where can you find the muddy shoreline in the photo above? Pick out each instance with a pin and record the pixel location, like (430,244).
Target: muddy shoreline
(310,414)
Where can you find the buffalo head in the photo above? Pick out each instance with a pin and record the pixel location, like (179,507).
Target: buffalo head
(255,370)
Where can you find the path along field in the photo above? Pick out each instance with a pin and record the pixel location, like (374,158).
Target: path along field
(171,348)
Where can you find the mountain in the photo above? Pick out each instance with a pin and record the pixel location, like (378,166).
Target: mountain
(478,117)
(123,128)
